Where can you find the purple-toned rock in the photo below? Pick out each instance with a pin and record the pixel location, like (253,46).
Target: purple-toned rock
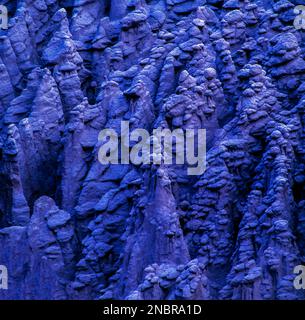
(72,228)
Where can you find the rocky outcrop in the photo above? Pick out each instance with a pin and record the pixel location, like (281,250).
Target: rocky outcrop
(41,255)
(73,228)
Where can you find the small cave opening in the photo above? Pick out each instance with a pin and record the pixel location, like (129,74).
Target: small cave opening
(5,200)
(298,192)
(107,8)
(11,7)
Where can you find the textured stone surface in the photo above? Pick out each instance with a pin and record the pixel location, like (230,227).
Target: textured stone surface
(71,228)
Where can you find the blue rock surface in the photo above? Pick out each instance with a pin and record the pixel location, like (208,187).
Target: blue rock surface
(72,228)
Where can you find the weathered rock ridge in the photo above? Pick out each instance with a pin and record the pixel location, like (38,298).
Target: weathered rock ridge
(72,228)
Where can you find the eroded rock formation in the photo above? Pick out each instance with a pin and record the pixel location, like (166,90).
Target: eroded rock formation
(72,228)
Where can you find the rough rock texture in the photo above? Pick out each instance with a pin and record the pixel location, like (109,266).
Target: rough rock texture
(72,228)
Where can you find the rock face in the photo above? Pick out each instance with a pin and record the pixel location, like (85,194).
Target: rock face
(72,228)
